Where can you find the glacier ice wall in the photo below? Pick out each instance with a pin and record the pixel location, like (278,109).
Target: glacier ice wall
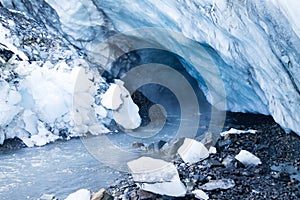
(48,91)
(257,40)
(255,44)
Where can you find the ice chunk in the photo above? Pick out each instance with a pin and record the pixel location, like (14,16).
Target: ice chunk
(223,184)
(192,151)
(43,137)
(111,99)
(100,111)
(247,158)
(82,194)
(7,113)
(157,176)
(30,121)
(125,111)
(150,170)
(8,103)
(128,115)
(174,188)
(236,131)
(200,194)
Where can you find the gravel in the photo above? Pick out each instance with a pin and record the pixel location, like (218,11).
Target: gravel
(276,178)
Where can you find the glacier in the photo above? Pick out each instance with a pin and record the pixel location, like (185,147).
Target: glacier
(254,45)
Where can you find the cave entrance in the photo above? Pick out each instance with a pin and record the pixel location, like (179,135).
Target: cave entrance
(151,94)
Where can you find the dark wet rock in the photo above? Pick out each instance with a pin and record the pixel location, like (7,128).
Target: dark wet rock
(143,195)
(251,182)
(11,144)
(222,144)
(5,54)
(211,163)
(101,195)
(138,145)
(160,144)
(287,167)
(151,147)
(156,146)
(144,105)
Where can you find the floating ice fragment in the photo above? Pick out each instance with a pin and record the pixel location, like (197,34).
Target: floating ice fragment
(192,151)
(200,194)
(223,184)
(247,158)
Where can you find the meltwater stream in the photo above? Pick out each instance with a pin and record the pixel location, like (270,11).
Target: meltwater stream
(59,168)
(63,167)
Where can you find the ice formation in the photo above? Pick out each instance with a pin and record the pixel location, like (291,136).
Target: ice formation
(192,151)
(200,194)
(247,158)
(252,43)
(125,112)
(44,44)
(43,100)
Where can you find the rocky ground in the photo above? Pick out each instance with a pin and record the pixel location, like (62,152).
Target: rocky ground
(278,177)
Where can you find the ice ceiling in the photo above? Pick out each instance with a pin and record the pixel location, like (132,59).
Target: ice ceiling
(253,44)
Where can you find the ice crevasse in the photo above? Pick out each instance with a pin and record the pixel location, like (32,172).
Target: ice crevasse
(255,44)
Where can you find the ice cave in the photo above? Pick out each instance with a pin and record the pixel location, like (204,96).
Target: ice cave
(149,99)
